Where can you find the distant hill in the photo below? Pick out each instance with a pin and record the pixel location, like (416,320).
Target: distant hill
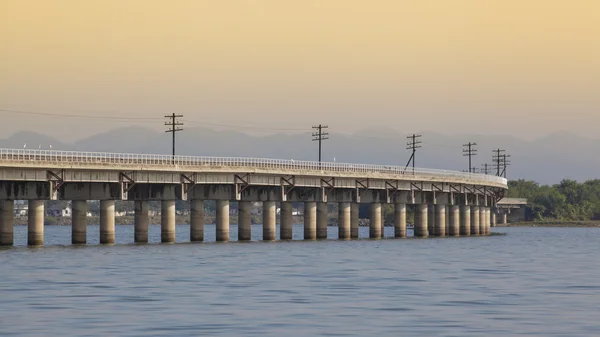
(546,160)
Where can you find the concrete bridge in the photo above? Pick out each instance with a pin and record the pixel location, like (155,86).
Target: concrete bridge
(446,203)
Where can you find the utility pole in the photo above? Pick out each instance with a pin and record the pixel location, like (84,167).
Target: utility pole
(413,144)
(469,151)
(320,136)
(174,126)
(486,168)
(505,164)
(497,158)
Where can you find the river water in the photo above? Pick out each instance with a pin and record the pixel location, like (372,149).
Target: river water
(531,281)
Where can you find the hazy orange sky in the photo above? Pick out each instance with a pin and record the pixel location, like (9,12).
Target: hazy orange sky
(519,67)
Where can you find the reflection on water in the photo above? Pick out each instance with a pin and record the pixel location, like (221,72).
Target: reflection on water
(533,281)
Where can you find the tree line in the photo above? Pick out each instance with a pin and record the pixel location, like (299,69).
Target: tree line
(568,200)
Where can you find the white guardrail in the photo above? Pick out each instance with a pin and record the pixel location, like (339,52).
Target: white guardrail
(52,156)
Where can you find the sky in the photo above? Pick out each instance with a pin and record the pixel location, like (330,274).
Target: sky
(525,68)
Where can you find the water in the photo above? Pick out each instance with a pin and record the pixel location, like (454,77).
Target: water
(532,281)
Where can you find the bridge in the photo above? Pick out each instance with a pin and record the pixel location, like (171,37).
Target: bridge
(446,203)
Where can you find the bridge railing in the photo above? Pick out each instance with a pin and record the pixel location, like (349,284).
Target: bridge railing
(52,156)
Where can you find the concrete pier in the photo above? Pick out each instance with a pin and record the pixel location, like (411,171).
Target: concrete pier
(493,219)
(167,221)
(107,221)
(440,220)
(310,220)
(269,221)
(196,220)
(475,217)
(344,214)
(488,221)
(141,221)
(465,220)
(35,223)
(79,222)
(7,222)
(245,220)
(375,224)
(321,220)
(354,221)
(453,220)
(431,220)
(504,217)
(482,220)
(286,221)
(421,221)
(400,221)
(222,220)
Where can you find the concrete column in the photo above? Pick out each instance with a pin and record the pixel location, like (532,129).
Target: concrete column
(141,221)
(421,221)
(431,220)
(310,220)
(321,220)
(107,221)
(344,214)
(504,218)
(35,223)
(440,220)
(493,219)
(7,222)
(475,218)
(465,220)
(167,221)
(453,220)
(354,221)
(222,220)
(400,221)
(196,220)
(245,220)
(286,221)
(79,222)
(269,221)
(482,221)
(488,221)
(375,224)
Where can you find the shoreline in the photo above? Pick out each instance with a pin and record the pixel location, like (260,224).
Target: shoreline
(566,224)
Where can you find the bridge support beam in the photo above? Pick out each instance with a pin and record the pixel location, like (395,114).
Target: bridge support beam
(286,221)
(196,220)
(107,221)
(354,221)
(504,218)
(310,220)
(493,220)
(440,220)
(167,221)
(35,223)
(322,220)
(79,222)
(482,220)
(7,222)
(245,220)
(400,220)
(141,221)
(344,221)
(269,221)
(431,220)
(421,221)
(222,220)
(465,220)
(453,220)
(375,224)
(475,220)
(488,221)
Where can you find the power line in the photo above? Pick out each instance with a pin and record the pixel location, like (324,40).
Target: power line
(320,136)
(112,118)
(413,144)
(497,158)
(486,168)
(174,126)
(243,127)
(470,151)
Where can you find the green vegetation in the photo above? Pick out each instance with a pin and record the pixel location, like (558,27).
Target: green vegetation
(568,200)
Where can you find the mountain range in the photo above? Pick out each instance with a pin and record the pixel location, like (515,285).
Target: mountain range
(546,160)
